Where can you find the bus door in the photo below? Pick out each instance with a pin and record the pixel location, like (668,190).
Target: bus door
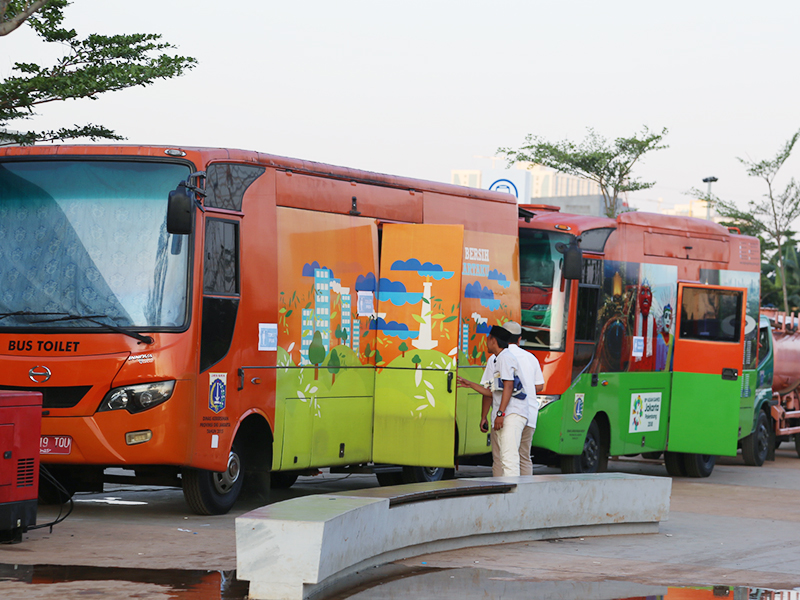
(417,322)
(707,366)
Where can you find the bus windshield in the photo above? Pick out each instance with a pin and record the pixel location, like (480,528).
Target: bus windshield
(88,238)
(544,305)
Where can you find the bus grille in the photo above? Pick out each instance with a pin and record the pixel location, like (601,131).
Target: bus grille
(55,397)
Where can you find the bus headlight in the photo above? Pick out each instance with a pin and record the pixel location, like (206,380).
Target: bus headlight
(136,398)
(545,400)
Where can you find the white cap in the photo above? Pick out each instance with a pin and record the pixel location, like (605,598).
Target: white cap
(512,327)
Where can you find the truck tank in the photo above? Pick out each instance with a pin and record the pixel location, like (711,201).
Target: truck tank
(786,375)
(785,409)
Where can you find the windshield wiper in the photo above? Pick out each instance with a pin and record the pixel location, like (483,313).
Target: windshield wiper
(91,318)
(29,313)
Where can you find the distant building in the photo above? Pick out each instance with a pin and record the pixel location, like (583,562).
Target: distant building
(535,184)
(695,208)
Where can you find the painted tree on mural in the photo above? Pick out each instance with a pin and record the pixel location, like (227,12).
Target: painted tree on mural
(403,349)
(333,365)
(316,352)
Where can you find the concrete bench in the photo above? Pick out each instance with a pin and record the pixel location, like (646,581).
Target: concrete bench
(297,548)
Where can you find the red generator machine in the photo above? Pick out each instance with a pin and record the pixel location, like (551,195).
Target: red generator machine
(20,431)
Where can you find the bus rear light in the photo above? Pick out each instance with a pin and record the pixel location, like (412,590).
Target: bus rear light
(545,400)
(137,398)
(138,437)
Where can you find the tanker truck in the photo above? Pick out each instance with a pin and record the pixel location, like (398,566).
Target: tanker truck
(777,415)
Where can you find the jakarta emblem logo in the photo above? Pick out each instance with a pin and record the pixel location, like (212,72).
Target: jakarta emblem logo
(577,409)
(217,388)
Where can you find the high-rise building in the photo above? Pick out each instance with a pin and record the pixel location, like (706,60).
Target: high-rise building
(346,318)
(357,337)
(306,333)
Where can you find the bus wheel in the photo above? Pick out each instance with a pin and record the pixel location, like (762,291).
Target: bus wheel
(425,474)
(391,478)
(699,465)
(283,480)
(210,492)
(674,463)
(593,459)
(756,445)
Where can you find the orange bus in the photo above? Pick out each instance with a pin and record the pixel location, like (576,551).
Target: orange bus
(220,319)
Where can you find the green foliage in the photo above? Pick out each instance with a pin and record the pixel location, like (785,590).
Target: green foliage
(90,67)
(416,359)
(771,218)
(607,164)
(403,348)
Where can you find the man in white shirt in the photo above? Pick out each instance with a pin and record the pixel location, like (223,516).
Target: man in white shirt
(533,383)
(502,387)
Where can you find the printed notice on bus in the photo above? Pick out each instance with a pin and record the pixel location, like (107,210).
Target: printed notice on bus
(645,412)
(638,346)
(366,304)
(267,337)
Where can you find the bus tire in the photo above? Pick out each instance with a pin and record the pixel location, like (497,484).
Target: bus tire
(699,465)
(674,463)
(283,480)
(213,493)
(755,446)
(425,474)
(391,478)
(593,459)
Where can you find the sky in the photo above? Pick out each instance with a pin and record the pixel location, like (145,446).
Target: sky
(419,88)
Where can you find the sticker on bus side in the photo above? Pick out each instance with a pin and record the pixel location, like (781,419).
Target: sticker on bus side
(267,337)
(217,388)
(645,412)
(577,409)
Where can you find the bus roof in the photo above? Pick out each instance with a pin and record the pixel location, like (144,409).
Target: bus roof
(202,156)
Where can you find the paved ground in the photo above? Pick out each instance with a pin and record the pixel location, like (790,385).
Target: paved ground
(738,527)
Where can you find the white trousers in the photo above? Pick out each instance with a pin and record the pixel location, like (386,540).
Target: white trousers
(505,446)
(525,462)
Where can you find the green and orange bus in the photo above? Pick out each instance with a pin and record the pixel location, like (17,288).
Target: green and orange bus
(225,320)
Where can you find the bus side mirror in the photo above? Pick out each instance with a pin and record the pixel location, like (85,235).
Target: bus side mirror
(573,260)
(179,212)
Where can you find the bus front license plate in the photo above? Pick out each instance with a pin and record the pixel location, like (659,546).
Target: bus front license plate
(55,444)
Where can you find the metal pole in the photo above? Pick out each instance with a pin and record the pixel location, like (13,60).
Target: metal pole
(709,181)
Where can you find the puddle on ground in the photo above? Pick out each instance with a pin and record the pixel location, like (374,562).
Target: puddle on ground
(484,584)
(397,583)
(186,585)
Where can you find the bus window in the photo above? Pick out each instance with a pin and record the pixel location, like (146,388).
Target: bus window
(544,304)
(89,237)
(711,315)
(227,183)
(221,268)
(763,344)
(585,328)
